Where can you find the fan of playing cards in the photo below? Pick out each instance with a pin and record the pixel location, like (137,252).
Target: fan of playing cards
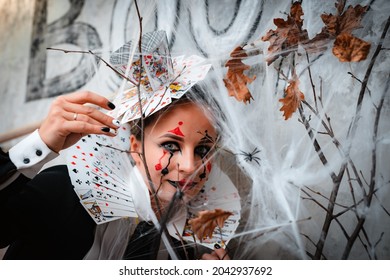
(161,77)
(99,169)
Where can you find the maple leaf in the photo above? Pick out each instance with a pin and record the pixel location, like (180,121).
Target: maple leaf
(349,48)
(236,81)
(288,34)
(203,226)
(293,97)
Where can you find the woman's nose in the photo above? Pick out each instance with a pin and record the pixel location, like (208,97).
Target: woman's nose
(186,162)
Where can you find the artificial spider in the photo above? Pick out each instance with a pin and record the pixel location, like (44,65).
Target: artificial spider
(251,156)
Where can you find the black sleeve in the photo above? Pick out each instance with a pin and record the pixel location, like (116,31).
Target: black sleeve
(42,218)
(7,168)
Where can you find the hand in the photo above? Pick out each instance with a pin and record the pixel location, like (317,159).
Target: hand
(69,119)
(218,254)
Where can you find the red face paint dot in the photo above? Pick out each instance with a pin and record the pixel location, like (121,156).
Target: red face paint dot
(180,123)
(209,166)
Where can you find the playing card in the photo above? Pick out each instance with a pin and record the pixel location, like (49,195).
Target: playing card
(218,192)
(96,213)
(99,166)
(188,72)
(159,100)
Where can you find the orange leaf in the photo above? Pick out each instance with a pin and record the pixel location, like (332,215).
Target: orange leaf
(288,34)
(293,97)
(207,221)
(346,21)
(236,81)
(343,22)
(350,49)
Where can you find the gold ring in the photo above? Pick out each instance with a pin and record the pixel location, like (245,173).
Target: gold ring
(75,116)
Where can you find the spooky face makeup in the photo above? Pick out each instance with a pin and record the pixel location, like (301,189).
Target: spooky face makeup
(178,148)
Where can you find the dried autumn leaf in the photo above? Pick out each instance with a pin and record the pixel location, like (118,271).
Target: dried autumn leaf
(288,34)
(293,97)
(236,81)
(347,21)
(341,22)
(203,226)
(348,48)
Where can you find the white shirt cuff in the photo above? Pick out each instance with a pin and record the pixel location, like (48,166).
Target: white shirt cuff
(30,154)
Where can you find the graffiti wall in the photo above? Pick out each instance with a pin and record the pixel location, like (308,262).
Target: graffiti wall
(327,164)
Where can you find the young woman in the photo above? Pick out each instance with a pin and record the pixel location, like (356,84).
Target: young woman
(42,215)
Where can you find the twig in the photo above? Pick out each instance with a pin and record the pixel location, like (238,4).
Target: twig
(181,241)
(323,196)
(316,145)
(381,205)
(311,81)
(98,57)
(351,133)
(371,192)
(357,79)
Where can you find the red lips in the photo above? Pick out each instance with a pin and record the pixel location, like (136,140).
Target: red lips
(184,183)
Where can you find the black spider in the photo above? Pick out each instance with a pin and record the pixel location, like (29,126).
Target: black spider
(251,156)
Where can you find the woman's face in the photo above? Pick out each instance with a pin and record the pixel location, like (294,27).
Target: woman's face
(178,148)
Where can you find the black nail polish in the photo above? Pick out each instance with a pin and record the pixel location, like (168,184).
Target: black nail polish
(111,105)
(105,129)
(216,246)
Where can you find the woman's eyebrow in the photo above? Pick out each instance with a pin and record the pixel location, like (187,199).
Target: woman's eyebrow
(173,136)
(206,140)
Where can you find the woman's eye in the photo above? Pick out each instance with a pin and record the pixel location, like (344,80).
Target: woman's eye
(171,147)
(202,151)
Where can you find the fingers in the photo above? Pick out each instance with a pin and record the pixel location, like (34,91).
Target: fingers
(218,254)
(209,257)
(87,114)
(84,97)
(87,128)
(221,254)
(75,103)
(69,119)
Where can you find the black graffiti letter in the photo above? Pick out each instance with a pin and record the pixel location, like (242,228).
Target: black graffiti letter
(62,31)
